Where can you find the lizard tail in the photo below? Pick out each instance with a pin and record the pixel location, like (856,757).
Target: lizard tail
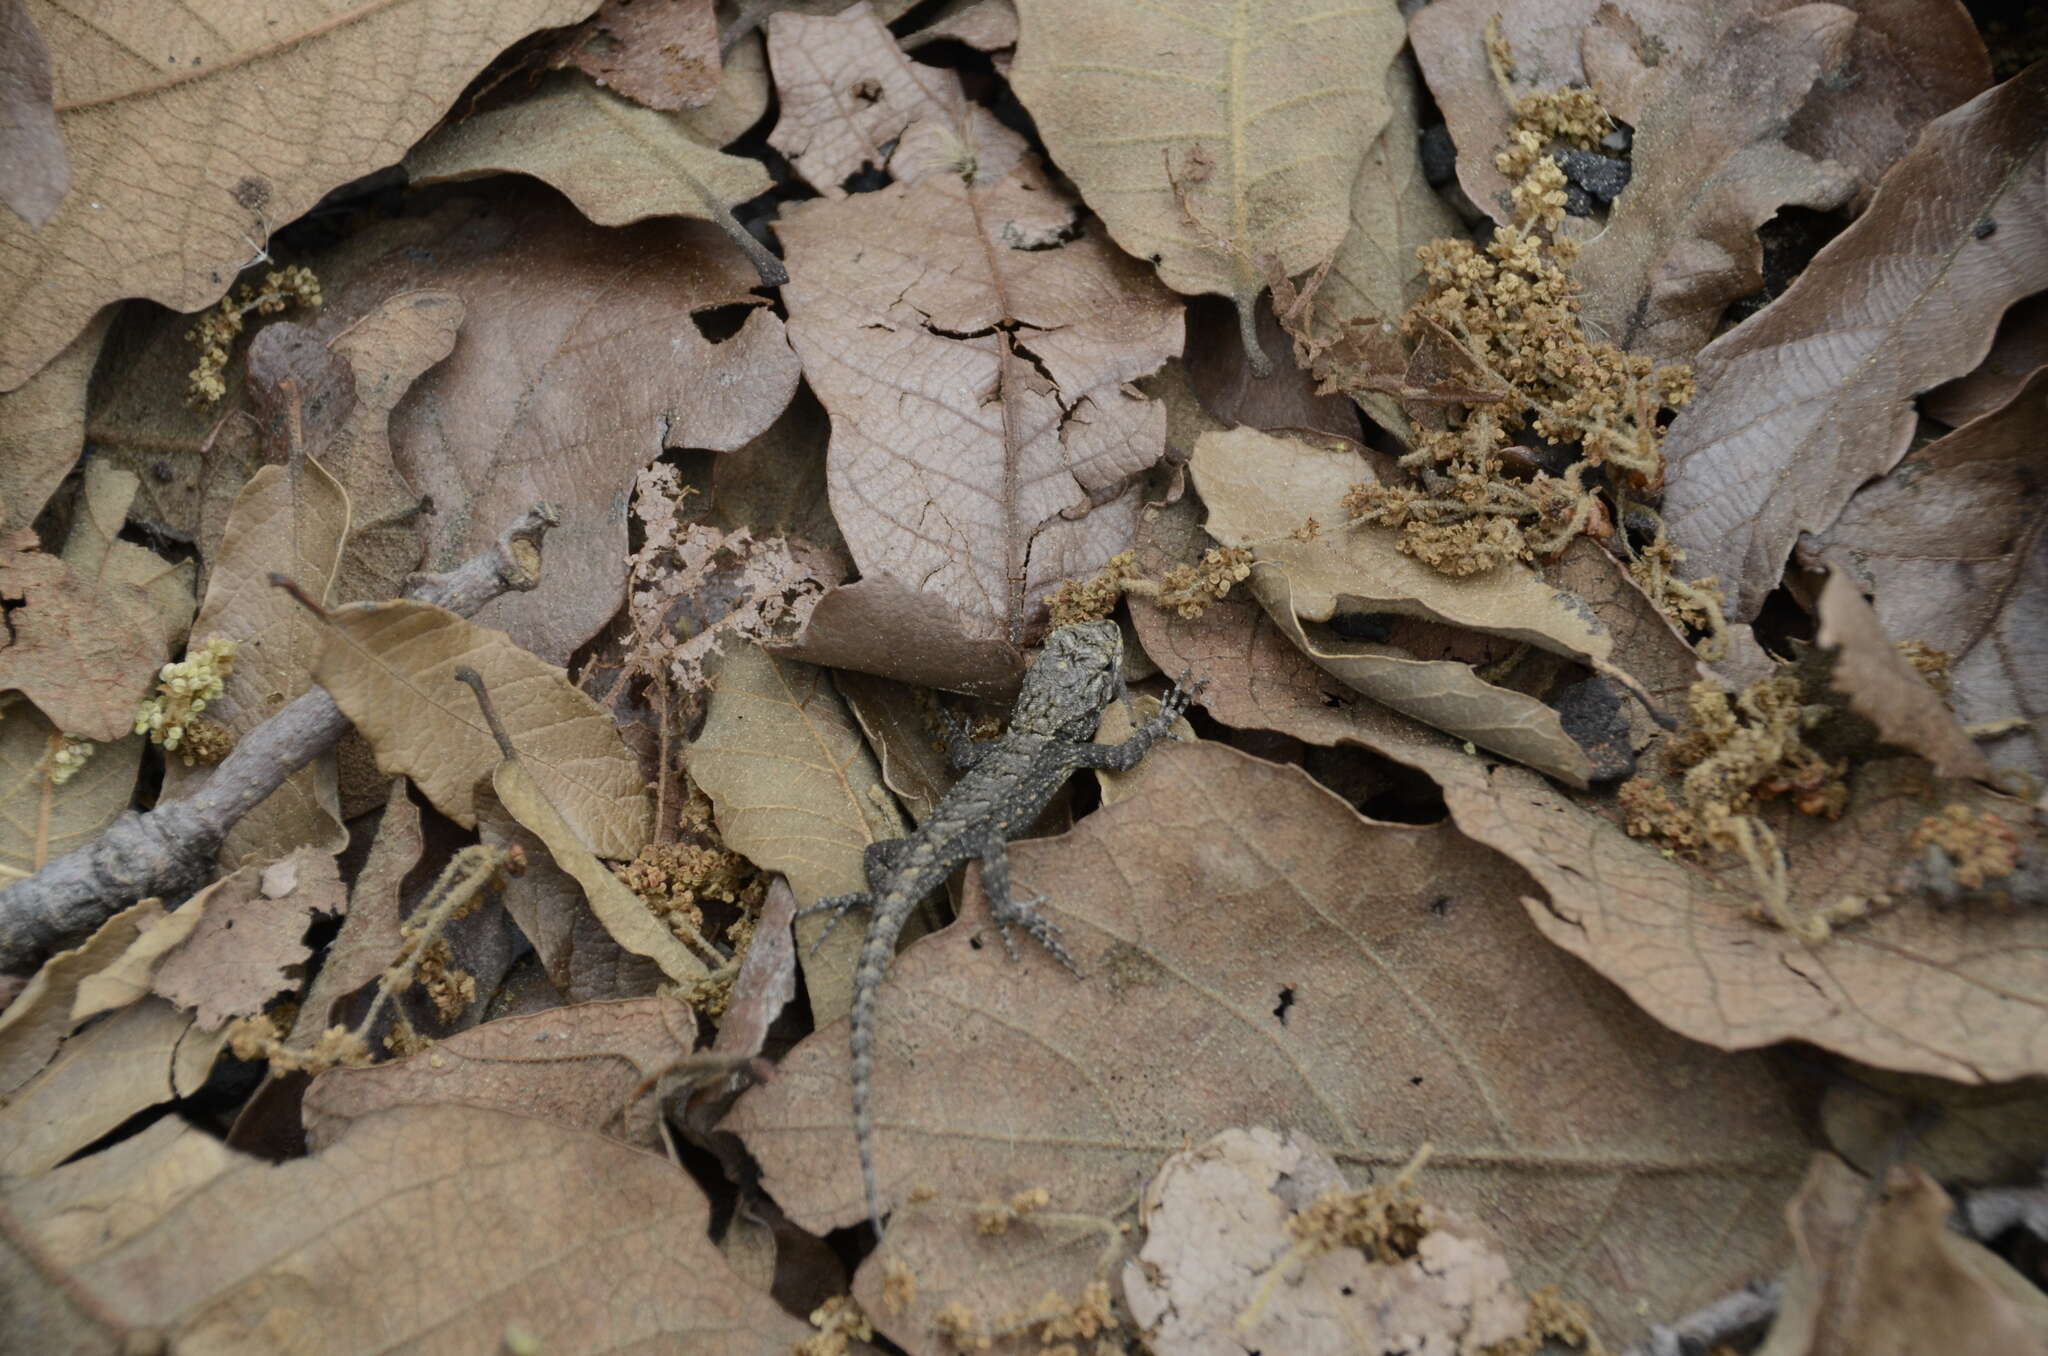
(874,961)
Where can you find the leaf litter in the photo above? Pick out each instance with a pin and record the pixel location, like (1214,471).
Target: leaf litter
(913,387)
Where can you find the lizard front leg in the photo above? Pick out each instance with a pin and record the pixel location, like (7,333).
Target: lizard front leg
(1023,913)
(838,906)
(1126,755)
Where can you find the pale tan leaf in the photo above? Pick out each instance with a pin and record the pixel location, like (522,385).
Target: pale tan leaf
(625,915)
(1886,690)
(249,944)
(194,135)
(85,1209)
(391,669)
(126,979)
(40,820)
(659,53)
(411,1196)
(42,426)
(1237,927)
(1711,165)
(1802,403)
(93,626)
(1958,992)
(39,1018)
(795,790)
(847,91)
(1262,112)
(30,145)
(617,161)
(127,1062)
(591,1066)
(973,344)
(1880,1273)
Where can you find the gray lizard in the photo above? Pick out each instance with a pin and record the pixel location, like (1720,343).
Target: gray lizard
(1003,788)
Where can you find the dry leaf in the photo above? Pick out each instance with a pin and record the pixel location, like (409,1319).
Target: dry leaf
(1957,992)
(127,978)
(767,979)
(41,820)
(1219,1218)
(617,161)
(193,137)
(412,1197)
(1226,379)
(249,944)
(36,1022)
(127,1062)
(1252,118)
(42,426)
(1992,1133)
(1950,544)
(886,627)
(1886,690)
(972,342)
(984,25)
(795,790)
(742,97)
(391,667)
(1806,400)
(660,53)
(847,92)
(579,360)
(87,631)
(1910,61)
(1879,1273)
(30,145)
(589,1067)
(1712,165)
(86,1208)
(1237,927)
(369,941)
(2019,351)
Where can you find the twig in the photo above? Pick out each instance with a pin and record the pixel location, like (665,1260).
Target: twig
(170,850)
(1731,1316)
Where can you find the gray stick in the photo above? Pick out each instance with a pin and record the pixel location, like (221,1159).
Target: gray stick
(170,851)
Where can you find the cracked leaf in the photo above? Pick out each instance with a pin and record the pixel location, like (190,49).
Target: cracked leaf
(973,342)
(1259,936)
(1262,111)
(390,667)
(1806,400)
(194,135)
(248,945)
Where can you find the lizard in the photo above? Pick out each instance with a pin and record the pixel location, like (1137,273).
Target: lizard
(1004,785)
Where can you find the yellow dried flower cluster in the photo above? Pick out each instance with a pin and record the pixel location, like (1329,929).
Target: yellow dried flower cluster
(71,754)
(219,327)
(674,879)
(1186,590)
(1094,598)
(1980,845)
(840,1323)
(183,691)
(1573,116)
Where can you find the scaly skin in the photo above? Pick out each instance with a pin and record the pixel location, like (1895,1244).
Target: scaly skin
(1006,785)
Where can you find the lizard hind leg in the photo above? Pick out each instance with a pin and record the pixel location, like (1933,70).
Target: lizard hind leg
(1009,911)
(838,906)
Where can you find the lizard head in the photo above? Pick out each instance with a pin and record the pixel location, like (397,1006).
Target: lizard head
(1075,677)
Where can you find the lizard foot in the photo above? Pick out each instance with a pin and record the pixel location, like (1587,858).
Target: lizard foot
(1024,913)
(838,906)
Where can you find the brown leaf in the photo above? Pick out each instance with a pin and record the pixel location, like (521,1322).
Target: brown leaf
(847,91)
(1231,389)
(742,97)
(1886,690)
(1712,166)
(41,820)
(984,447)
(984,25)
(1253,122)
(1910,61)
(92,627)
(1224,890)
(1801,404)
(1991,1133)
(767,979)
(1949,543)
(1218,1219)
(617,161)
(579,360)
(660,53)
(413,1196)
(2019,351)
(391,669)
(249,944)
(881,625)
(796,791)
(589,1067)
(36,1022)
(369,940)
(130,1061)
(1879,1273)
(89,1207)
(255,121)
(30,145)
(1956,992)
(42,427)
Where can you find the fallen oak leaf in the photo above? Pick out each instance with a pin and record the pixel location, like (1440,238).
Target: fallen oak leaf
(1886,690)
(2019,350)
(658,53)
(1808,399)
